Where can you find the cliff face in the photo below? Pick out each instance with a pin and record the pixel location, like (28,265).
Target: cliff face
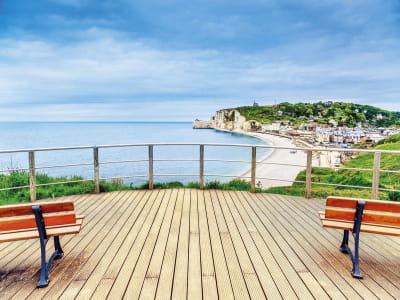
(198,124)
(228,119)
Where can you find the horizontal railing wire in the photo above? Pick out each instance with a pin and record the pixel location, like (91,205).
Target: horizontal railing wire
(151,160)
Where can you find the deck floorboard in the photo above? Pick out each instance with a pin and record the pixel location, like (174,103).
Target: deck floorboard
(201,244)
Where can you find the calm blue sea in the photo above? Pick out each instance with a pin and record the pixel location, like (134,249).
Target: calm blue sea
(27,135)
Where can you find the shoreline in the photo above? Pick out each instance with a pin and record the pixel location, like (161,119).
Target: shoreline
(270,168)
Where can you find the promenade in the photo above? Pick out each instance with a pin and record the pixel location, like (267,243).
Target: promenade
(201,244)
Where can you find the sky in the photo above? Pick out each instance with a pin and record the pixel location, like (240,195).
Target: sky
(178,60)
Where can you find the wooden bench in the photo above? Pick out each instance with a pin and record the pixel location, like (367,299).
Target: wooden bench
(359,215)
(40,220)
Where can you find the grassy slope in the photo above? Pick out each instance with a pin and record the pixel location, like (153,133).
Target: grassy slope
(351,177)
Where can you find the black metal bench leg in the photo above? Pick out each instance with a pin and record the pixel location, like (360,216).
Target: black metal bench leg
(44,275)
(356,234)
(44,278)
(355,259)
(344,247)
(59,252)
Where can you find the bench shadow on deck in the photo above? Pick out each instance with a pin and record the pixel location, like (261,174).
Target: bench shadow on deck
(197,244)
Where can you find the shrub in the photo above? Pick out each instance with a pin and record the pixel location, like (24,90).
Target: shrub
(237,185)
(214,185)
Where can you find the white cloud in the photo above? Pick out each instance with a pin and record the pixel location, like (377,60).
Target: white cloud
(106,77)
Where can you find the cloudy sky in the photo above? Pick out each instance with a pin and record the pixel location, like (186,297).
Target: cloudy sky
(177,60)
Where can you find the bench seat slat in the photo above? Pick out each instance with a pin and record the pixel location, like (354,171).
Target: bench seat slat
(365,227)
(26,209)
(374,205)
(15,223)
(383,218)
(340,214)
(15,235)
(341,202)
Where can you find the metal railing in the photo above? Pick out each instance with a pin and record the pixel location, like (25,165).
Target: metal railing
(252,161)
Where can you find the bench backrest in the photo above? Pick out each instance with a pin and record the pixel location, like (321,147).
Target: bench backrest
(20,216)
(375,211)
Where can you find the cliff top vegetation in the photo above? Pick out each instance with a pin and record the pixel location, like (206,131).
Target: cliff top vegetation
(333,113)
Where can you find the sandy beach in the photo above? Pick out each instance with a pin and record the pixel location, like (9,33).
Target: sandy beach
(270,171)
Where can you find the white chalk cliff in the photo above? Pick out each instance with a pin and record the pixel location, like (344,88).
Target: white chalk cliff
(228,119)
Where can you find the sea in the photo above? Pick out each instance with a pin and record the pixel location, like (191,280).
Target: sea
(124,161)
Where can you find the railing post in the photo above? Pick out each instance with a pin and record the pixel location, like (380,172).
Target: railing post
(32,176)
(375,175)
(308,174)
(253,169)
(151,175)
(96,170)
(201,166)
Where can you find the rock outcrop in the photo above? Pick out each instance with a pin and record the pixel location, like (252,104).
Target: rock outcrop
(198,124)
(228,119)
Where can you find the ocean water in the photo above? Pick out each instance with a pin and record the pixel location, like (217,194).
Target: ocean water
(33,135)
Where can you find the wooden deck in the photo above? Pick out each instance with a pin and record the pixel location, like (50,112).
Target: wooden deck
(197,244)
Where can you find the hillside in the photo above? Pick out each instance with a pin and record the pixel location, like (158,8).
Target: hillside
(337,113)
(352,177)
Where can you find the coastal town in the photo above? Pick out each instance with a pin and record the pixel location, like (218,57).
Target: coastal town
(312,133)
(308,134)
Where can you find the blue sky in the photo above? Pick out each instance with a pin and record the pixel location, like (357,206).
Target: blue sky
(175,60)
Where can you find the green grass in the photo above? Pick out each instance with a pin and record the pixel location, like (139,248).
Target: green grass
(361,178)
(18,179)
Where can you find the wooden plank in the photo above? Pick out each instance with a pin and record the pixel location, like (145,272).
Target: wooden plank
(247,225)
(135,223)
(391,243)
(370,228)
(150,280)
(313,284)
(28,261)
(102,289)
(194,269)
(26,209)
(268,249)
(221,270)
(165,282)
(266,240)
(341,202)
(209,281)
(379,268)
(125,224)
(235,271)
(11,251)
(33,234)
(99,243)
(18,223)
(367,217)
(339,262)
(179,287)
(130,259)
(339,214)
(119,260)
(101,258)
(376,205)
(312,243)
(80,247)
(140,273)
(269,213)
(249,274)
(72,291)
